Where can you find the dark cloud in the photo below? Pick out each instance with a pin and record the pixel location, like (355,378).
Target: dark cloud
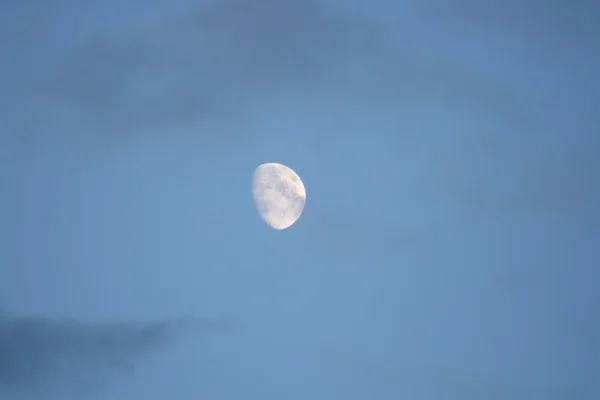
(39,355)
(211,68)
(545,23)
(543,51)
(196,70)
(278,42)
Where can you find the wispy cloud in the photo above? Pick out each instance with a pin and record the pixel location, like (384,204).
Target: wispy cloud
(546,23)
(43,356)
(208,68)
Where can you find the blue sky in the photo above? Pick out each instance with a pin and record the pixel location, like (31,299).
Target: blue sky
(449,244)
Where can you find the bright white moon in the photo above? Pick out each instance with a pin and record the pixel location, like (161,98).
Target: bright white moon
(279,195)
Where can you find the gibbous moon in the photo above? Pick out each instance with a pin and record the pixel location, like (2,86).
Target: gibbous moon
(279,195)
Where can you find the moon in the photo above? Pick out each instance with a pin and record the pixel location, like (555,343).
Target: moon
(279,195)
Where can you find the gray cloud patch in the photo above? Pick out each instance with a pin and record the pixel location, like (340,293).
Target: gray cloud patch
(196,70)
(554,22)
(211,68)
(39,354)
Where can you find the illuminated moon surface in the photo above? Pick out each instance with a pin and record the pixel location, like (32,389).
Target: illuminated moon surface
(279,195)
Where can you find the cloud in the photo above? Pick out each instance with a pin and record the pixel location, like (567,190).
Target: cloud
(210,69)
(560,185)
(554,22)
(201,69)
(40,355)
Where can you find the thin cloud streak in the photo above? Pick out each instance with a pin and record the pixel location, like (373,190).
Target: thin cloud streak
(41,355)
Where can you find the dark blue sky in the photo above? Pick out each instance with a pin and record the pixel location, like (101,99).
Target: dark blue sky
(449,247)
